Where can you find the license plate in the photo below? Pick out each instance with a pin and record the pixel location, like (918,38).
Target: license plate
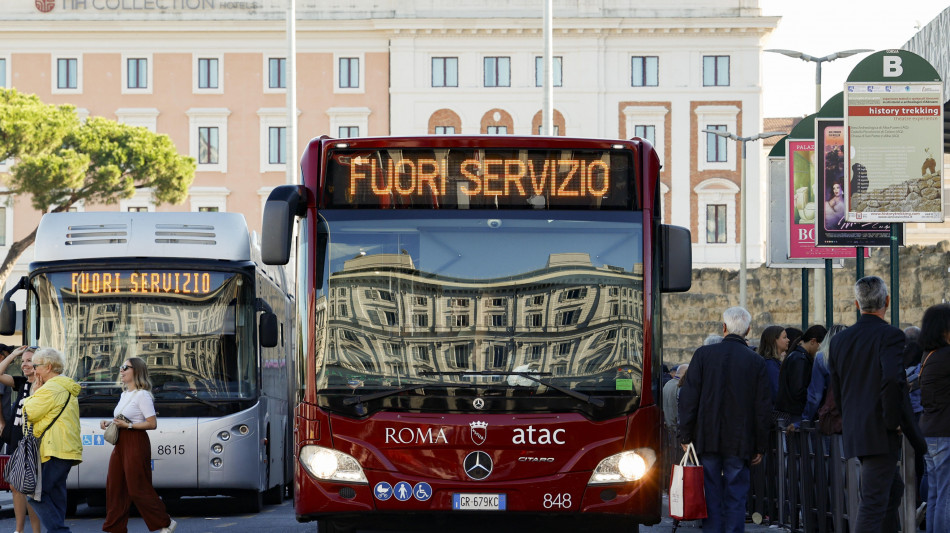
(478,502)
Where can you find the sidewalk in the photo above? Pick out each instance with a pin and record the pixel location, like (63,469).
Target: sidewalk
(666,524)
(6,504)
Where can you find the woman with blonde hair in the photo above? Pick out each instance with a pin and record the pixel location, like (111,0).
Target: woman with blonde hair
(21,385)
(130,474)
(53,410)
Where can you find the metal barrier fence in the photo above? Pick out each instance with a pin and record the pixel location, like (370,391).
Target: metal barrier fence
(806,485)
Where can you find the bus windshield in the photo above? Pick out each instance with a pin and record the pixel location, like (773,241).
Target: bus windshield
(193,328)
(527,304)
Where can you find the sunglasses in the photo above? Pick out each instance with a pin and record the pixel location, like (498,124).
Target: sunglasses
(32,348)
(125,367)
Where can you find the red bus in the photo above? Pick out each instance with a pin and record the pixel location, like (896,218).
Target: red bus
(480,322)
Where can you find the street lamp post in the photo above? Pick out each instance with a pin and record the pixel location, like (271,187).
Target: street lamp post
(742,201)
(859,255)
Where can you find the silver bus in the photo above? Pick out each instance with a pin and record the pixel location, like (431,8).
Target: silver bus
(187,293)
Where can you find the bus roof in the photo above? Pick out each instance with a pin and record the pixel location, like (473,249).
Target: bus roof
(86,235)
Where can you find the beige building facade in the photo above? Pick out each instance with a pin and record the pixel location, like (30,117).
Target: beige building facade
(211,74)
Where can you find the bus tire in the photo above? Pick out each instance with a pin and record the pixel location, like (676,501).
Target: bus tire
(72,503)
(274,495)
(252,501)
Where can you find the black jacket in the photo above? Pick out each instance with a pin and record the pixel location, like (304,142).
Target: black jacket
(793,379)
(725,400)
(869,384)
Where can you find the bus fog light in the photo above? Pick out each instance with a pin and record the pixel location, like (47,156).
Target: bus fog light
(224,435)
(624,467)
(216,462)
(331,465)
(217,448)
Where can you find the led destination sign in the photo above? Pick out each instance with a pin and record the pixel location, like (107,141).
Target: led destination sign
(480,178)
(144,282)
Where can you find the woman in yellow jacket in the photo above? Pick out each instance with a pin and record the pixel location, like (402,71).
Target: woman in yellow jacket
(53,409)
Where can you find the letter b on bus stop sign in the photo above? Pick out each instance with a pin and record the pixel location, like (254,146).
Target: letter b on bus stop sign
(892,66)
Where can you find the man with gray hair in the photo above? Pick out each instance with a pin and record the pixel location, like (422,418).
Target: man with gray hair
(867,378)
(724,408)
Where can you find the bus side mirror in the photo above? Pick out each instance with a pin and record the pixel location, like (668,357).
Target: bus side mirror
(676,259)
(8,317)
(267,330)
(8,308)
(283,205)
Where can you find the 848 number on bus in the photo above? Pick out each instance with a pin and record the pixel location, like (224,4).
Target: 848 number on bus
(170,449)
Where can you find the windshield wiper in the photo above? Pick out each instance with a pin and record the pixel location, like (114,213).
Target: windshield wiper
(358,400)
(533,376)
(191,395)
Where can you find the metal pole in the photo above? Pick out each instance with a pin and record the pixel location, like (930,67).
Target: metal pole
(895,279)
(829,297)
(858,269)
(547,114)
(742,231)
(804,299)
(291,92)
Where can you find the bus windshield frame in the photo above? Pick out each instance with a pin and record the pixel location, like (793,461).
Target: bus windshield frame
(194,326)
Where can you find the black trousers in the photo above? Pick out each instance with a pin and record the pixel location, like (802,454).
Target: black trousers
(881,491)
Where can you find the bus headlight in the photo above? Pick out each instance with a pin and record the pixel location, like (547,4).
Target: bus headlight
(331,465)
(623,467)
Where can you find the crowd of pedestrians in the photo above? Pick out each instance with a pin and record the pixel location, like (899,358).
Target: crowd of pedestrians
(870,382)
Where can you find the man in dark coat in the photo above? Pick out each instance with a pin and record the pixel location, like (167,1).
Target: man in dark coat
(867,377)
(724,409)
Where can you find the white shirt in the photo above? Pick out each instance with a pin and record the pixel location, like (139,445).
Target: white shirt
(137,405)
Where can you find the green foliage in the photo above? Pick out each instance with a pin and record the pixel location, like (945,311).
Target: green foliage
(60,161)
(29,127)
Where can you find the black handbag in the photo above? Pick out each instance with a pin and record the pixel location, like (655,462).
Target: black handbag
(24,469)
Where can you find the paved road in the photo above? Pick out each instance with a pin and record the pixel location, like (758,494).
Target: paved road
(214,515)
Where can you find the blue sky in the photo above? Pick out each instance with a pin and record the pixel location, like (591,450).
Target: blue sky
(822,27)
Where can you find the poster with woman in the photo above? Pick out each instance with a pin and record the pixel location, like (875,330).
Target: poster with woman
(833,229)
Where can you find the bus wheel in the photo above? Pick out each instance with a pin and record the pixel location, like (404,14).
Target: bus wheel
(72,503)
(252,501)
(274,495)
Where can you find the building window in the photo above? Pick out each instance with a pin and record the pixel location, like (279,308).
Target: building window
(497,130)
(136,73)
(207,146)
(498,321)
(716,145)
(715,71)
(3,72)
(461,356)
(535,352)
(539,71)
(645,132)
(420,353)
(345,132)
(534,320)
(207,73)
(349,72)
(420,320)
(497,72)
(644,71)
(556,132)
(445,72)
(277,73)
(715,223)
(67,73)
(3,225)
(277,145)
(215,209)
(138,209)
(445,130)
(497,357)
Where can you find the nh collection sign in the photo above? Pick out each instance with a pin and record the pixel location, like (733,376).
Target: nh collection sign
(166,6)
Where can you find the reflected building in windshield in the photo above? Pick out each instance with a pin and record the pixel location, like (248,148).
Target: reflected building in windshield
(568,318)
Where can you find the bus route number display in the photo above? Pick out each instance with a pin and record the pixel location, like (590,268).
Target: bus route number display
(143,282)
(509,178)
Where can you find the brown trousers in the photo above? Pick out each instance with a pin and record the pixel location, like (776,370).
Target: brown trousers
(130,481)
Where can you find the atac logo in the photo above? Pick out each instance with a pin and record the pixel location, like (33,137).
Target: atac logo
(45,6)
(479,432)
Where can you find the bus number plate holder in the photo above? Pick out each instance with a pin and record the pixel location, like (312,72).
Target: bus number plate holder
(478,502)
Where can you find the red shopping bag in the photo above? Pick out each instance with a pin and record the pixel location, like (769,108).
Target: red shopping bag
(687,497)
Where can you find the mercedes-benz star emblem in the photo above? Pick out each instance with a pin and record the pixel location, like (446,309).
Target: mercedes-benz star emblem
(478,403)
(478,465)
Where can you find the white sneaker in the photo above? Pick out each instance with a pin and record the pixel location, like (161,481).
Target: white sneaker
(171,527)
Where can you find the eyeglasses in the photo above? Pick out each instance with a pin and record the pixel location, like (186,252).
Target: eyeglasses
(125,367)
(40,364)
(32,348)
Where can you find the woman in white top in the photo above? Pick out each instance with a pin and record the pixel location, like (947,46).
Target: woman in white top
(130,473)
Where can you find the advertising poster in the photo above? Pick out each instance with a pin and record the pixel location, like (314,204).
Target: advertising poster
(831,223)
(894,150)
(803,204)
